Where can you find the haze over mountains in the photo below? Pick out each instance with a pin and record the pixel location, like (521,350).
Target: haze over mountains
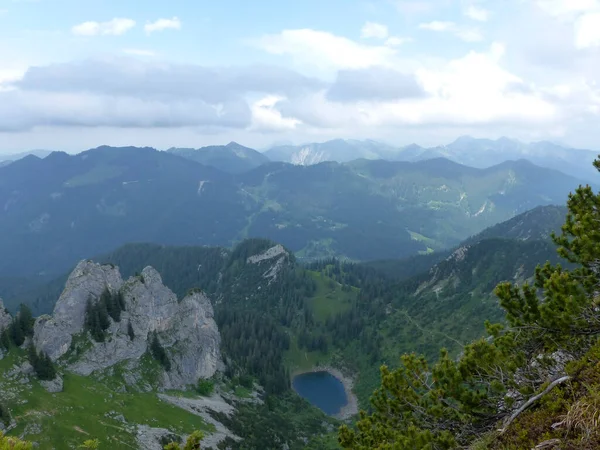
(362,210)
(474,152)
(429,239)
(465,150)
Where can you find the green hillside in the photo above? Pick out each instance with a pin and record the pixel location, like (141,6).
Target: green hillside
(362,210)
(276,315)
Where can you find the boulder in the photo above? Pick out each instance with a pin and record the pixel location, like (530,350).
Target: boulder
(53,386)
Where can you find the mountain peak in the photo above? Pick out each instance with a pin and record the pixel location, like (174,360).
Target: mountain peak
(187,328)
(464,139)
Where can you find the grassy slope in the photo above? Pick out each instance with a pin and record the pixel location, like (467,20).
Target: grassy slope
(328,300)
(86,409)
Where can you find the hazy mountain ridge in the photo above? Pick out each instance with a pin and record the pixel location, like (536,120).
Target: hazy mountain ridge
(232,158)
(365,209)
(12,157)
(479,153)
(339,150)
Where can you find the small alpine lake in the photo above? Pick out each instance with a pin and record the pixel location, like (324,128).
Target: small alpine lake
(322,390)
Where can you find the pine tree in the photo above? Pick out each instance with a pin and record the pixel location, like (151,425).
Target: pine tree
(192,443)
(26,321)
(16,333)
(451,403)
(130,331)
(89,315)
(41,363)
(5,339)
(103,320)
(4,415)
(158,352)
(96,317)
(32,355)
(120,300)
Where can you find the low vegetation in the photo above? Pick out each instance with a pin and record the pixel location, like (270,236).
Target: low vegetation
(534,379)
(98,312)
(11,443)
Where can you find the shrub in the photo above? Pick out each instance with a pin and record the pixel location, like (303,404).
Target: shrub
(205,387)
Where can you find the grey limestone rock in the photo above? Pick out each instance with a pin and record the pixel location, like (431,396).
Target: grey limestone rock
(149,438)
(53,386)
(270,253)
(203,407)
(26,368)
(186,329)
(53,335)
(277,253)
(5,317)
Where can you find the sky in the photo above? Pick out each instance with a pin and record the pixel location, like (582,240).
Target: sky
(188,73)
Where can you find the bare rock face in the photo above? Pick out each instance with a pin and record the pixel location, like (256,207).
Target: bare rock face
(53,335)
(186,329)
(275,257)
(194,342)
(5,317)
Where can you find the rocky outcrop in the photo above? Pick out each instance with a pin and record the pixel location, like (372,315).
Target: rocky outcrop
(185,329)
(276,257)
(53,386)
(5,317)
(270,253)
(149,438)
(203,407)
(53,335)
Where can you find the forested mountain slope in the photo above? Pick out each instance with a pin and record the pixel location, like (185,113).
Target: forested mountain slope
(362,210)
(231,158)
(385,309)
(276,315)
(532,382)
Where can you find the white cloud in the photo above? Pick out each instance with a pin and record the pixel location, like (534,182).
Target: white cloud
(163,24)
(9,76)
(587,30)
(395,41)
(583,15)
(265,116)
(325,50)
(469,35)
(567,7)
(438,25)
(477,13)
(413,7)
(471,91)
(374,30)
(465,34)
(138,52)
(114,27)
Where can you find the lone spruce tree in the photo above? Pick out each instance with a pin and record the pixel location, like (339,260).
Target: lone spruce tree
(452,403)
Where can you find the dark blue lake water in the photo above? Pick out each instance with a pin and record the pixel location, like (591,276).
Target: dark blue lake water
(321,389)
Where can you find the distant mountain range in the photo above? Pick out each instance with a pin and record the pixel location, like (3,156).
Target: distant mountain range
(7,159)
(339,150)
(57,210)
(480,153)
(232,158)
